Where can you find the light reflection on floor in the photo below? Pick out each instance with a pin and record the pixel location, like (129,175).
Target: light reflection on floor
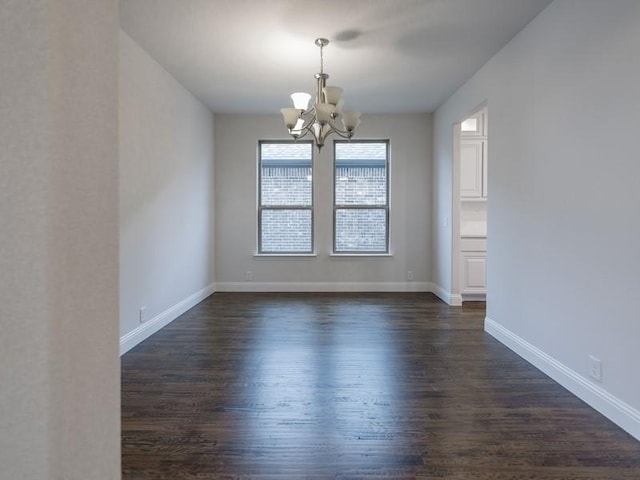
(341,370)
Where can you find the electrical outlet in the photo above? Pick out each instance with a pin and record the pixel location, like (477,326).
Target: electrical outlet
(595,368)
(142,314)
(248,276)
(410,275)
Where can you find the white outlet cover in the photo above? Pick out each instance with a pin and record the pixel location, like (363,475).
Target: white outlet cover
(595,368)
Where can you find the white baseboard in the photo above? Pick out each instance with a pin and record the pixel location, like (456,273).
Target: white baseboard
(323,287)
(619,412)
(453,299)
(474,297)
(148,328)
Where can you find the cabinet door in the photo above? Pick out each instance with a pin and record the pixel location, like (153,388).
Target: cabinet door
(484,168)
(474,272)
(471,169)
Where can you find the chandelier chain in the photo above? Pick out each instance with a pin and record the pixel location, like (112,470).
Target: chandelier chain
(321,58)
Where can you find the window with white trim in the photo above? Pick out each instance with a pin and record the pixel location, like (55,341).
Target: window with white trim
(361,197)
(285,203)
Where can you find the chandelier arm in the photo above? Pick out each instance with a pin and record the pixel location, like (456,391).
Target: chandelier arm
(339,131)
(342,133)
(306,127)
(311,112)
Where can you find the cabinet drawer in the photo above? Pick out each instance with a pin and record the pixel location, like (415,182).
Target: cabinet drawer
(473,244)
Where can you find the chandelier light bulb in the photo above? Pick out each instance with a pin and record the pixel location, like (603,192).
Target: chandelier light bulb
(290,116)
(324,112)
(350,120)
(301,100)
(332,95)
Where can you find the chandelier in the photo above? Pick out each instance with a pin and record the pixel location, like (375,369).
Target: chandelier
(321,118)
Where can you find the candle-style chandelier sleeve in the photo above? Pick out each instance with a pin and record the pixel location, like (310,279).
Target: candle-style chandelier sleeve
(321,118)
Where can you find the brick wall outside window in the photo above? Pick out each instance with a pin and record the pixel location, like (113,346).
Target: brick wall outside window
(361,186)
(286,186)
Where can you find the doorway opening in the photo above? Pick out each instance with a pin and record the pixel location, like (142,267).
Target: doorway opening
(470,198)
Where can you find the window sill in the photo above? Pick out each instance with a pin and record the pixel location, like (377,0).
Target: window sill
(314,255)
(360,255)
(284,255)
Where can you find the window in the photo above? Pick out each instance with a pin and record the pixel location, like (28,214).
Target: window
(285,205)
(361,197)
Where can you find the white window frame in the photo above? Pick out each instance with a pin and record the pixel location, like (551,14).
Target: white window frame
(262,208)
(386,208)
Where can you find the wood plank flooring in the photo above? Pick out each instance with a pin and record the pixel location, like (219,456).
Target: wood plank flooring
(352,387)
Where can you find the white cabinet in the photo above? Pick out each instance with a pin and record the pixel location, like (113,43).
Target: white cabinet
(473,266)
(473,169)
(474,272)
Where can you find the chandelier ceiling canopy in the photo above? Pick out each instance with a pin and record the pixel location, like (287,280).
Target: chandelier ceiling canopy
(321,118)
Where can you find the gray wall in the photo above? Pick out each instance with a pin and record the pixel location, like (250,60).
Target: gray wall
(59,365)
(236,211)
(166,193)
(563,229)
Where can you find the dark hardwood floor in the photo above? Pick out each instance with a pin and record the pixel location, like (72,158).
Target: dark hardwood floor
(352,387)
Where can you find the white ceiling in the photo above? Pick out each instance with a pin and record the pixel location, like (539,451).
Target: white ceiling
(247,56)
